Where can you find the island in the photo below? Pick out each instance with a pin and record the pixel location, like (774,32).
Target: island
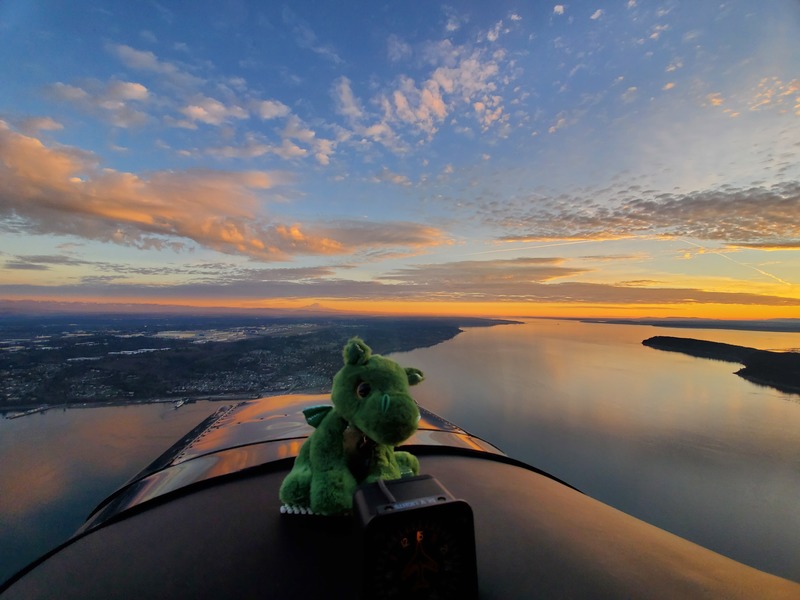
(779,370)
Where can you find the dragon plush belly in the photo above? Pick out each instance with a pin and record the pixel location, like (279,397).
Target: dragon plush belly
(354,439)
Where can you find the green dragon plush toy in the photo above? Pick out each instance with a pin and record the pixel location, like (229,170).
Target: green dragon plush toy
(354,440)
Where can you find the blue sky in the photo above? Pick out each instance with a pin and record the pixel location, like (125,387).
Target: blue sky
(624,157)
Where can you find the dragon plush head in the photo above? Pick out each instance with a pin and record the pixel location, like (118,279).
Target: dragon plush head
(371,392)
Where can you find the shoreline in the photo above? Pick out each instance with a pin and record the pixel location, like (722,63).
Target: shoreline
(93,362)
(25,411)
(768,325)
(778,370)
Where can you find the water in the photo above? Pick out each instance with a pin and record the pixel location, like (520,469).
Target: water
(55,467)
(678,441)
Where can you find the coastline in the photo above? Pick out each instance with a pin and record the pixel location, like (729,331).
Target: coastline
(95,363)
(778,370)
(772,325)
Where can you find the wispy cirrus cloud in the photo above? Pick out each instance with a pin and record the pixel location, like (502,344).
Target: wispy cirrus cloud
(33,125)
(119,102)
(306,38)
(144,60)
(397,49)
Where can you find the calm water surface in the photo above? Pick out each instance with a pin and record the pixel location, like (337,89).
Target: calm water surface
(678,441)
(55,467)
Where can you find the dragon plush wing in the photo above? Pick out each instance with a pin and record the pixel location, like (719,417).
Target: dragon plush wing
(315,414)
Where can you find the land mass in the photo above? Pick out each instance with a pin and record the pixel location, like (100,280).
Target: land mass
(783,325)
(78,360)
(779,370)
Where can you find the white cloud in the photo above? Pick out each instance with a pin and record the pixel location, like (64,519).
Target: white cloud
(488,111)
(305,37)
(561,121)
(495,31)
(127,90)
(657,30)
(148,36)
(72,93)
(323,150)
(397,49)
(421,107)
(597,14)
(212,112)
(346,102)
(271,109)
(295,129)
(117,101)
(464,81)
(144,60)
(558,9)
(674,65)
(454,20)
(289,150)
(630,94)
(383,133)
(34,124)
(141,59)
(386,175)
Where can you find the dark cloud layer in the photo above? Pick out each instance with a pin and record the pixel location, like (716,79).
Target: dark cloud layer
(516,280)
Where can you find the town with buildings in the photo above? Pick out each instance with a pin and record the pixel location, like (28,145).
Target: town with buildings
(71,360)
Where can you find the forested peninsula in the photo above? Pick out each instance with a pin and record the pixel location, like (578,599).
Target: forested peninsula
(780,370)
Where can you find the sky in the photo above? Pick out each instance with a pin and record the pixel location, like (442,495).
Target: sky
(609,159)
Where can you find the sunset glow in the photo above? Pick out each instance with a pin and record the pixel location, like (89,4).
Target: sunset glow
(621,159)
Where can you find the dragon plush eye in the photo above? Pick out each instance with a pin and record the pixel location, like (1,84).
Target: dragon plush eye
(363,389)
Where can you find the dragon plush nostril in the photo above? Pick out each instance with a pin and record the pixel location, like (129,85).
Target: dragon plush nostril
(385,402)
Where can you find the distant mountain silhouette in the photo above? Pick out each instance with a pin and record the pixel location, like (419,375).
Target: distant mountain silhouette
(780,370)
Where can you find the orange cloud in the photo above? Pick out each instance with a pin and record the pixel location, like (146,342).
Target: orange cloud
(772,92)
(64,191)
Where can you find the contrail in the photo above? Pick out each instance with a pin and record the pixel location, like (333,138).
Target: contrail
(736,262)
(533,247)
